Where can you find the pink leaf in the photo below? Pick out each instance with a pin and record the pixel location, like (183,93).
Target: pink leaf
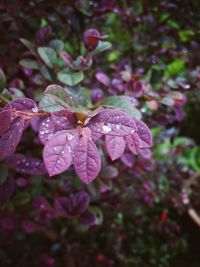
(87,161)
(115,146)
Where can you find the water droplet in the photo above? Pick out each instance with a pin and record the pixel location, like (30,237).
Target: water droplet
(46,131)
(70,137)
(42,132)
(55,148)
(35,109)
(106,128)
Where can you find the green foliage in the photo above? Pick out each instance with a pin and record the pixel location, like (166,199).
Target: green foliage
(70,79)
(48,55)
(123,103)
(175,68)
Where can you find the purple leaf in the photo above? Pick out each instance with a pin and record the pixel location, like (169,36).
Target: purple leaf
(23,104)
(47,129)
(77,204)
(7,189)
(87,161)
(26,164)
(144,134)
(57,152)
(11,138)
(96,136)
(128,160)
(64,119)
(88,218)
(36,122)
(5,121)
(115,146)
(103,78)
(73,206)
(96,95)
(133,143)
(28,226)
(112,122)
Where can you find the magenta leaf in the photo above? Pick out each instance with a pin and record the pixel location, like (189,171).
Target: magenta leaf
(5,121)
(11,138)
(87,161)
(57,153)
(26,164)
(115,146)
(133,143)
(23,104)
(144,134)
(112,122)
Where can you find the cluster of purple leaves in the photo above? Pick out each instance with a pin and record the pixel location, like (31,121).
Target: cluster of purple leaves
(68,143)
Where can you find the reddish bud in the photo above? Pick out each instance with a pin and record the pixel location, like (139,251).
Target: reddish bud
(91,39)
(164,216)
(100,257)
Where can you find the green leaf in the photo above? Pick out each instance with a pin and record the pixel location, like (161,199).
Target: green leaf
(17,93)
(101,47)
(175,68)
(3,173)
(2,80)
(57,45)
(58,93)
(49,104)
(48,55)
(170,98)
(45,72)
(186,35)
(123,103)
(70,79)
(29,63)
(29,45)
(21,199)
(6,95)
(113,56)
